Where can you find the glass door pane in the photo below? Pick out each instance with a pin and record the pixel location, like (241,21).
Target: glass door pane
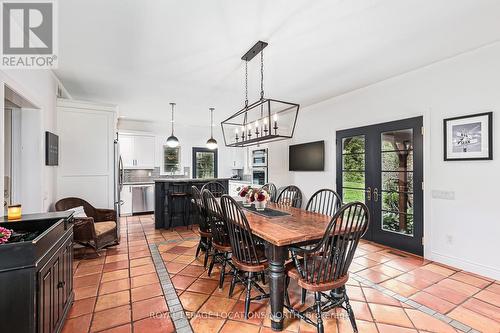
(353,169)
(205,165)
(397,181)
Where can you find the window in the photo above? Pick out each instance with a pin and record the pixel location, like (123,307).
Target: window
(171,159)
(204,163)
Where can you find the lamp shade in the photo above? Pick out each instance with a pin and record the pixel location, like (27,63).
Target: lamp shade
(172,141)
(212,143)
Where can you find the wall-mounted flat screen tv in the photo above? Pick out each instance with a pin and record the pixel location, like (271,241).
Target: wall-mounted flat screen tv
(307,157)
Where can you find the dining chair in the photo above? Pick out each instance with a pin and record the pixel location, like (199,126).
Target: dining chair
(290,196)
(326,202)
(248,256)
(221,246)
(271,189)
(205,242)
(325,266)
(216,188)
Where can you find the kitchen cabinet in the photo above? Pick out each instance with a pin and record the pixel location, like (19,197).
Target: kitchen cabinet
(126,197)
(137,151)
(237,158)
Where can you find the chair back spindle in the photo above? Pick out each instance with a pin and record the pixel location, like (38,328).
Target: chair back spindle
(271,189)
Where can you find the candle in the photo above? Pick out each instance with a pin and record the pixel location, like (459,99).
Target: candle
(257,127)
(243,133)
(236,133)
(275,118)
(249,131)
(14,212)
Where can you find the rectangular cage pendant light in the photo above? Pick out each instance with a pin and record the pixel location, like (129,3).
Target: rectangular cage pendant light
(263,121)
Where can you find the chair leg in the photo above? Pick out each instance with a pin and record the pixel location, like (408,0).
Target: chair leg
(350,312)
(317,296)
(233,282)
(287,296)
(214,254)
(263,277)
(207,252)
(223,270)
(247,297)
(303,294)
(198,248)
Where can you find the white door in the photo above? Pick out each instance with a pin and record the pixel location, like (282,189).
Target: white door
(127,150)
(86,156)
(144,151)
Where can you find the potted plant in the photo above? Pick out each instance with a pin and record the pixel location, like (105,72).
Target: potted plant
(246,192)
(261,198)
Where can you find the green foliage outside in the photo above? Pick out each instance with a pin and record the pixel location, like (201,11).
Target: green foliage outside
(205,165)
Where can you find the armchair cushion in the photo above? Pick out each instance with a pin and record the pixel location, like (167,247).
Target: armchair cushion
(104,227)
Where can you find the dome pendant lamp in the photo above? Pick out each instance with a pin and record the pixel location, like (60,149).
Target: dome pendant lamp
(172,140)
(212,143)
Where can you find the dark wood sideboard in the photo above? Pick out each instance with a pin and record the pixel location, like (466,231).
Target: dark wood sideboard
(36,277)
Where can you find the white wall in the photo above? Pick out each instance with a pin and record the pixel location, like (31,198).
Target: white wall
(463,232)
(39,87)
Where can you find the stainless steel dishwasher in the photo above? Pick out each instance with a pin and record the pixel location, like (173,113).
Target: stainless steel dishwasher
(143,199)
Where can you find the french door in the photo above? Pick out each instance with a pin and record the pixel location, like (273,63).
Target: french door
(382,166)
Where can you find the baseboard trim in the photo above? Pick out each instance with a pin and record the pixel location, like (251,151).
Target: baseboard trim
(484,270)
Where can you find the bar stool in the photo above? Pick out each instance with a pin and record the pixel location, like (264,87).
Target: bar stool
(179,203)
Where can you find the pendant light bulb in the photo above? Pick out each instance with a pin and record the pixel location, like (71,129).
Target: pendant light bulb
(212,143)
(172,140)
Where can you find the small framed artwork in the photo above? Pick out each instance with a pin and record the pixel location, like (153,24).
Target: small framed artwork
(51,149)
(469,137)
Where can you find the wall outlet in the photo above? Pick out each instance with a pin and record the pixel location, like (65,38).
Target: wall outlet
(445,195)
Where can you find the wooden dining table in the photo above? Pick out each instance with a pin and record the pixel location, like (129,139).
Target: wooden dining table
(278,233)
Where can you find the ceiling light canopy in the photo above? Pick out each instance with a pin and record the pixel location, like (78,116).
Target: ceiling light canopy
(212,143)
(263,121)
(172,140)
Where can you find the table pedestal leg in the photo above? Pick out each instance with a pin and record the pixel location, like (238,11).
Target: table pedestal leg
(276,256)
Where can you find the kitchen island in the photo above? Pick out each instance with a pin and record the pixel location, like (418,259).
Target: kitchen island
(164,187)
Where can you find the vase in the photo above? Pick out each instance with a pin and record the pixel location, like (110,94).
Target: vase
(247,202)
(260,205)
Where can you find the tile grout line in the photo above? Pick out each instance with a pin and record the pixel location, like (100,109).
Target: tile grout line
(175,308)
(417,306)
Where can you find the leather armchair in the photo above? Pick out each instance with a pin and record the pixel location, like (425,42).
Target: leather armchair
(98,230)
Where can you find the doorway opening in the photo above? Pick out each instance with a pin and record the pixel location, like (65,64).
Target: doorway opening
(22,178)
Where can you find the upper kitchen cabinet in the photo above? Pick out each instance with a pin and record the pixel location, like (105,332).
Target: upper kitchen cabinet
(137,151)
(237,158)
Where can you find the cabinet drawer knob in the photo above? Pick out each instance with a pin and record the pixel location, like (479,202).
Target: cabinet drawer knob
(61,284)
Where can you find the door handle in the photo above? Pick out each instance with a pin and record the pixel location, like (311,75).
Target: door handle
(368,193)
(375,194)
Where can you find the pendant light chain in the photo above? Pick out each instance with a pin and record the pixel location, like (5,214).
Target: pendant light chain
(212,123)
(246,84)
(262,74)
(172,121)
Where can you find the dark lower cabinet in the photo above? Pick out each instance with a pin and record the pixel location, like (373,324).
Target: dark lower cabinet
(55,281)
(36,277)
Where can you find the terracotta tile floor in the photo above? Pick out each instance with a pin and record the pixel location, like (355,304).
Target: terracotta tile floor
(118,291)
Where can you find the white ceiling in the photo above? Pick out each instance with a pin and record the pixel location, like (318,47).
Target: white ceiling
(142,54)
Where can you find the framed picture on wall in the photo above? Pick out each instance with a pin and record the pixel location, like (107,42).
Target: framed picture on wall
(469,137)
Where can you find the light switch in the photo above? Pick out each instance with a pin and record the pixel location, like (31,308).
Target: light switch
(445,195)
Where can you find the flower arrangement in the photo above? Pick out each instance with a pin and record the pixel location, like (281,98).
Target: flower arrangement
(247,193)
(4,235)
(261,195)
